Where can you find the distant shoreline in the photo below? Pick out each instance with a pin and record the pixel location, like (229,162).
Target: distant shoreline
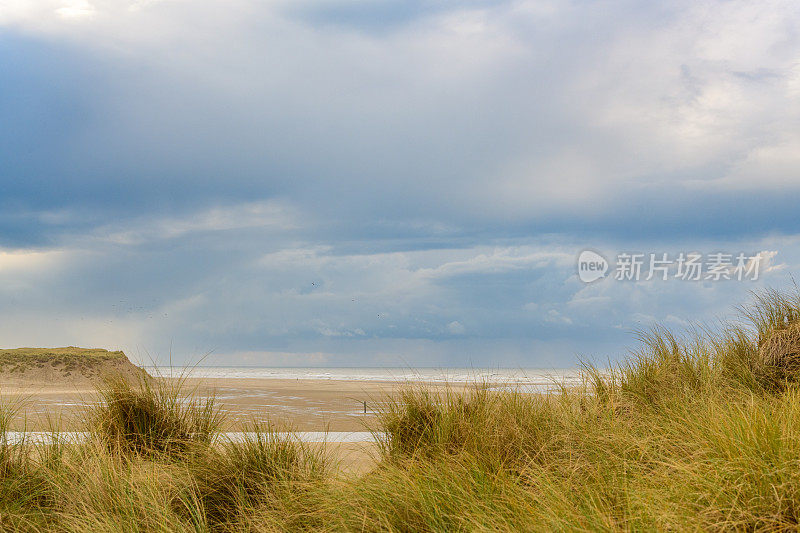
(526,376)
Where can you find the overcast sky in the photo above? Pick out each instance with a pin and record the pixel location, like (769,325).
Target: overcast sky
(386,182)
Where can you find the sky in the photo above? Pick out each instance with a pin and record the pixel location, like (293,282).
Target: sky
(387,182)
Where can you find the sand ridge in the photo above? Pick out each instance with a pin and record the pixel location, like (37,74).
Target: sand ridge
(63,368)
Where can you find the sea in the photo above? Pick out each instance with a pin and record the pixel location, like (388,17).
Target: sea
(532,379)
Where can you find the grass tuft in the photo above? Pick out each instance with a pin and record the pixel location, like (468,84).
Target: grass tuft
(507,429)
(266,470)
(152,417)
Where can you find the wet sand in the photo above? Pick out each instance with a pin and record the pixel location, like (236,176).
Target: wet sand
(301,405)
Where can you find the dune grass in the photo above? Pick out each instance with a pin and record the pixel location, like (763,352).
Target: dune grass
(693,432)
(69,358)
(152,417)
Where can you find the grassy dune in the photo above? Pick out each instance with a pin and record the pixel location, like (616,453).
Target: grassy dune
(57,364)
(69,356)
(700,432)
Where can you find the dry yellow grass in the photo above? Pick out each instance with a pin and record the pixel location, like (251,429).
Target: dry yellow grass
(690,434)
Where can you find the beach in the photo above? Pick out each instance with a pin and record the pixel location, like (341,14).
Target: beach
(306,400)
(334,408)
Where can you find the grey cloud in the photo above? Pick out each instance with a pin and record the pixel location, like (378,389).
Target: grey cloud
(364,181)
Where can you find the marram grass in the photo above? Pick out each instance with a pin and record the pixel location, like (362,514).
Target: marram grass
(691,433)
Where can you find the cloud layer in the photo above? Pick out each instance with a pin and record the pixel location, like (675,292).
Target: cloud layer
(384,182)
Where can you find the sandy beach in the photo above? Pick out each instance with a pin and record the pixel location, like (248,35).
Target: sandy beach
(302,405)
(299,405)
